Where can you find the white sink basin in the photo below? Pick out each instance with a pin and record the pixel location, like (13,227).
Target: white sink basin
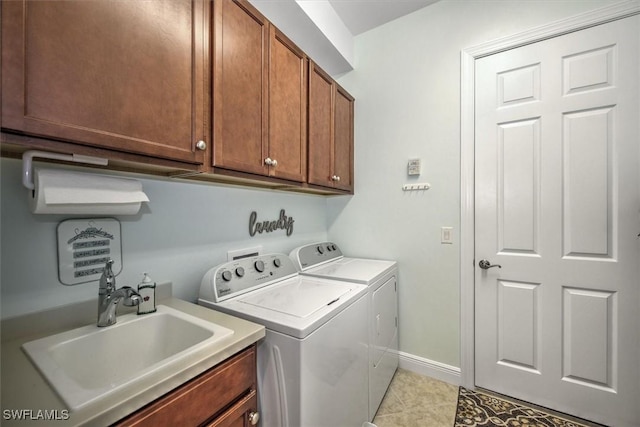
(89,363)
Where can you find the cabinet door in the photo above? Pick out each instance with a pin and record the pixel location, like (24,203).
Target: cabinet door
(228,385)
(239,415)
(241,36)
(343,140)
(330,132)
(287,108)
(125,75)
(320,127)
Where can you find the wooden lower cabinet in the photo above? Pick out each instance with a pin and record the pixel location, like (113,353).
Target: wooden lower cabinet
(224,396)
(242,414)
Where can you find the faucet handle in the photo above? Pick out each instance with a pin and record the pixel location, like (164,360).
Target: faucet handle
(132,298)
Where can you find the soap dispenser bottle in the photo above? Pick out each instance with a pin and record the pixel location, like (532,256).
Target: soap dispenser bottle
(147,291)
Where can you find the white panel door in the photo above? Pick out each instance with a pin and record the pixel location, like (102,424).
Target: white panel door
(558,208)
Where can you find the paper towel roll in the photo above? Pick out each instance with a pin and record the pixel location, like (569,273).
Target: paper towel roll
(65,192)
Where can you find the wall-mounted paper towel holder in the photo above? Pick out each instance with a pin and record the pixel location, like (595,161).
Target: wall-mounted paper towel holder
(27,163)
(60,191)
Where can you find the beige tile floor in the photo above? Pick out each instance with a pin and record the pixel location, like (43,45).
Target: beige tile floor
(414,400)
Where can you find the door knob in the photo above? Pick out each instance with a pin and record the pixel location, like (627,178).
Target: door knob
(485,264)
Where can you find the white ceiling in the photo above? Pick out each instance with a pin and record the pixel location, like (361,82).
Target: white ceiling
(362,15)
(325,29)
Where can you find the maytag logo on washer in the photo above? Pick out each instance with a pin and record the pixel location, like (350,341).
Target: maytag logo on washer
(283,223)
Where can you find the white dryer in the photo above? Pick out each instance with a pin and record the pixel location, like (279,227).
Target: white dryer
(325,260)
(312,364)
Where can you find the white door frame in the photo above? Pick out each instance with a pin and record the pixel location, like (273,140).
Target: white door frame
(467,162)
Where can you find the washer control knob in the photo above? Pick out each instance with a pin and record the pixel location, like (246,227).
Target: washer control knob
(277,262)
(334,247)
(240,271)
(320,250)
(227,276)
(259,265)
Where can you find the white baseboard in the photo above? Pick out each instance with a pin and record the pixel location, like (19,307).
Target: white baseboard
(440,371)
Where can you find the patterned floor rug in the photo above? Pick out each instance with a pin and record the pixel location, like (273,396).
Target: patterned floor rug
(477,409)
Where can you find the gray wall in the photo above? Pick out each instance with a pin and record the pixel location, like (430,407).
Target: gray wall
(186,229)
(407,88)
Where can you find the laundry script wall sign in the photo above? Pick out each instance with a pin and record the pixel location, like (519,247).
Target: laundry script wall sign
(283,223)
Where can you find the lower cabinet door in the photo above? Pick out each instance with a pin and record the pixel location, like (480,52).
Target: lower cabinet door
(243,414)
(214,396)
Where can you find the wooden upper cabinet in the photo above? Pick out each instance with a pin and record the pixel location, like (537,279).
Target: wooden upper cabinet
(287,108)
(330,132)
(240,87)
(259,98)
(131,76)
(320,127)
(343,139)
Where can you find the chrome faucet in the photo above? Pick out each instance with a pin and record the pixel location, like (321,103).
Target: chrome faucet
(109,297)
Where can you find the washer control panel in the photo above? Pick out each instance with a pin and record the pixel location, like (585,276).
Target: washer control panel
(243,275)
(316,253)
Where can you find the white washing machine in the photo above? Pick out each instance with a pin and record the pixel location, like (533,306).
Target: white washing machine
(325,260)
(312,364)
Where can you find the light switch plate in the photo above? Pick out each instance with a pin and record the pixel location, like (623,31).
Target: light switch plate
(413,167)
(446,235)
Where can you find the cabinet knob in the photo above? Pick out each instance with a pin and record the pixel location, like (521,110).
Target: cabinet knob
(201,145)
(335,178)
(254,417)
(274,163)
(270,162)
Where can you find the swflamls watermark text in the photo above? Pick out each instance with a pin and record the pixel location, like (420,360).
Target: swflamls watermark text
(35,414)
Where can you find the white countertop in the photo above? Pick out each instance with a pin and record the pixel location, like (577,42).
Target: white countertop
(27,393)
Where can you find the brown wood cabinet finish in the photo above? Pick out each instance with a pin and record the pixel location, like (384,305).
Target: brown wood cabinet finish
(128,76)
(240,87)
(320,127)
(238,415)
(222,396)
(138,83)
(330,132)
(259,98)
(343,139)
(287,108)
